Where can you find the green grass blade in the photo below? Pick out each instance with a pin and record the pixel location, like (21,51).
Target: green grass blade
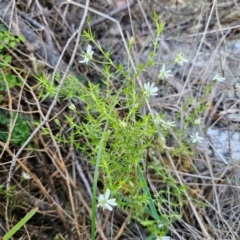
(95,182)
(146,191)
(20,224)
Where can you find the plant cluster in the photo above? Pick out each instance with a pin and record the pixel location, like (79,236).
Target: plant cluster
(7,43)
(116,137)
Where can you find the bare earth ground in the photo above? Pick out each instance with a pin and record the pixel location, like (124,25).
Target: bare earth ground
(207,32)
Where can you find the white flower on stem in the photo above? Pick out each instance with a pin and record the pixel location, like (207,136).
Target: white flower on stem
(105,202)
(196,138)
(150,90)
(218,78)
(87,55)
(168,124)
(180,59)
(25,176)
(165,124)
(163,73)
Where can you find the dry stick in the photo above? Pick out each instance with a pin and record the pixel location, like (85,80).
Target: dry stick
(74,177)
(222,39)
(81,174)
(208,32)
(9,5)
(218,210)
(214,109)
(145,18)
(112,13)
(73,207)
(206,235)
(59,210)
(130,17)
(123,225)
(199,48)
(104,224)
(78,32)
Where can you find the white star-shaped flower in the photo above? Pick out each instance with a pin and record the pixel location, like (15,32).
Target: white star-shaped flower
(164,124)
(87,55)
(180,59)
(218,78)
(25,176)
(196,138)
(150,90)
(167,124)
(163,73)
(105,202)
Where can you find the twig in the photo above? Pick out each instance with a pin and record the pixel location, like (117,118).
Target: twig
(81,175)
(112,13)
(63,215)
(123,226)
(204,231)
(199,48)
(73,207)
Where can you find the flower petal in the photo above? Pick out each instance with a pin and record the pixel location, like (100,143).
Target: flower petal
(89,49)
(112,202)
(101,198)
(107,194)
(109,207)
(83,61)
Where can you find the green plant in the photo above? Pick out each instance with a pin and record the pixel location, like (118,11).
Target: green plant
(20,132)
(8,40)
(7,193)
(11,80)
(115,136)
(7,43)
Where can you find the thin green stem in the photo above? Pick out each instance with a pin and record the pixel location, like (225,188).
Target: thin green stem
(95,182)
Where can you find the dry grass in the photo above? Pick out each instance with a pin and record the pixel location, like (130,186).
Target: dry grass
(206,31)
